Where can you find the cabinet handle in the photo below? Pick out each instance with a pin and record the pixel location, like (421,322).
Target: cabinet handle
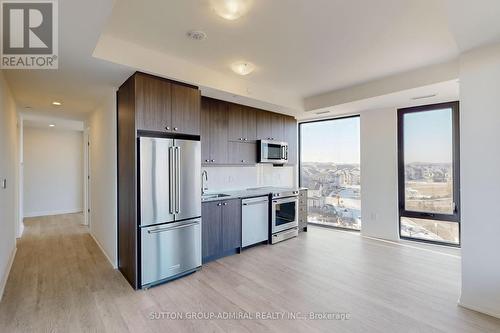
(219,204)
(175,128)
(245,139)
(167,128)
(212,161)
(225,203)
(242,161)
(241,139)
(207,161)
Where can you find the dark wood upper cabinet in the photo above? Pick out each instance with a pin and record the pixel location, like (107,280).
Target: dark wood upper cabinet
(264,125)
(290,136)
(214,132)
(185,109)
(166,106)
(277,126)
(244,153)
(153,103)
(231,225)
(242,123)
(205,130)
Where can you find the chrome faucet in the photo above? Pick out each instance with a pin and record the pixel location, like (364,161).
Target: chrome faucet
(204,181)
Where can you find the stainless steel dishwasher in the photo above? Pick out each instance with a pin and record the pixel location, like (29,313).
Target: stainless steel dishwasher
(255,221)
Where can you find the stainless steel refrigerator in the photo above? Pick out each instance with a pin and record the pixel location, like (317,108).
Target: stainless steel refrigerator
(170,208)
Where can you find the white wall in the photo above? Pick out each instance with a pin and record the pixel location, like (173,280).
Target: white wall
(53,171)
(226,178)
(379,174)
(8,170)
(103,176)
(480,179)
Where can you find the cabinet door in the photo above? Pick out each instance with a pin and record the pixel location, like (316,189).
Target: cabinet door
(291,137)
(153,103)
(205,130)
(211,218)
(231,225)
(277,126)
(264,125)
(242,153)
(236,123)
(249,124)
(185,110)
(219,124)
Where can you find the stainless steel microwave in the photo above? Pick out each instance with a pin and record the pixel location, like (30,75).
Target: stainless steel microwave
(274,152)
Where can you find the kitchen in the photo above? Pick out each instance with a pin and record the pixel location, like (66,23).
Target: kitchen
(173,216)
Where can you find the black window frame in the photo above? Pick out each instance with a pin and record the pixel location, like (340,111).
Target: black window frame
(455,217)
(300,163)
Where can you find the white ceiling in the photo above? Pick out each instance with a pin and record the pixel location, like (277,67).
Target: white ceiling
(80,80)
(301,48)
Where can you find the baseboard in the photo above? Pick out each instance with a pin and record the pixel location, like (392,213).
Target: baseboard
(478,309)
(7,272)
(104,252)
(54,212)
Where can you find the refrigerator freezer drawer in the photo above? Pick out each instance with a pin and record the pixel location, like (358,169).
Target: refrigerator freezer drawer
(169,250)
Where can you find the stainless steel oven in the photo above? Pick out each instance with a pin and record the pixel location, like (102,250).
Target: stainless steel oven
(284,215)
(275,152)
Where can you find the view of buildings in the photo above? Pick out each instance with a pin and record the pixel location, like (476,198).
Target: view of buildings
(334,193)
(429,188)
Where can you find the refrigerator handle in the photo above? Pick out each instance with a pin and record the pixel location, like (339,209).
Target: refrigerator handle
(178,181)
(171,181)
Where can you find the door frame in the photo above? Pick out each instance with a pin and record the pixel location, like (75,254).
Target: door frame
(86,177)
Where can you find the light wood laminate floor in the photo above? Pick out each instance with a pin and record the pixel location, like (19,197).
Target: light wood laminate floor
(61,282)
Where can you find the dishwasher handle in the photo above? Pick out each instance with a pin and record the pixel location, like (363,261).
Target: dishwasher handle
(255,202)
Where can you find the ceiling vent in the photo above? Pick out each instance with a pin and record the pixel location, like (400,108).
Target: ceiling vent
(197,35)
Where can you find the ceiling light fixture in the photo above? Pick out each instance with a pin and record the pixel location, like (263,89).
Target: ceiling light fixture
(197,35)
(52,125)
(56,103)
(243,67)
(322,112)
(424,96)
(231,9)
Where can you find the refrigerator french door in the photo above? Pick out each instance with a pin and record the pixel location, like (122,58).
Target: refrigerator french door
(170,208)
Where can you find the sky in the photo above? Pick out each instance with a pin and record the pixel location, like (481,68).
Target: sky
(427,139)
(336,141)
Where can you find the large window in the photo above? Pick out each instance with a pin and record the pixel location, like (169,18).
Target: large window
(330,169)
(429,173)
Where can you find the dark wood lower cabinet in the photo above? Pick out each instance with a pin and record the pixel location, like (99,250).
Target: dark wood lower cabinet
(221,229)
(211,228)
(231,225)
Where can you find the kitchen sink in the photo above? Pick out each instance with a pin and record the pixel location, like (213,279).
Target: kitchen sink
(213,196)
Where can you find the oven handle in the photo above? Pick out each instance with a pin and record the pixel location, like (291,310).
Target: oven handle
(286,200)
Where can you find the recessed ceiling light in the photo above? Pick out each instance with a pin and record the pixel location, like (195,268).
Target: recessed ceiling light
(243,67)
(52,125)
(56,103)
(197,35)
(424,96)
(231,9)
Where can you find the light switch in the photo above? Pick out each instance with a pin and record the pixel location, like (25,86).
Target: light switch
(4,183)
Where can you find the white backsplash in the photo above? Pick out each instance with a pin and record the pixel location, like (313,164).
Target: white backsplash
(227,178)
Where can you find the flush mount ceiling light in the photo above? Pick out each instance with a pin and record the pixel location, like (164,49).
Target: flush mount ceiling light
(197,35)
(52,125)
(243,67)
(231,9)
(56,103)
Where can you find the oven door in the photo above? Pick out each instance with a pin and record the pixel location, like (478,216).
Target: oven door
(273,152)
(284,214)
